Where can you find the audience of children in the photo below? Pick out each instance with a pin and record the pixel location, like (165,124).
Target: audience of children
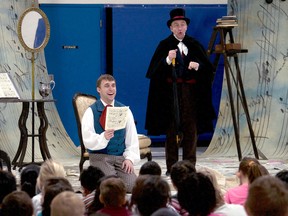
(67,203)
(249,170)
(198,192)
(88,180)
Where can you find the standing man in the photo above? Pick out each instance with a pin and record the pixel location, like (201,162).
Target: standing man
(114,152)
(180,96)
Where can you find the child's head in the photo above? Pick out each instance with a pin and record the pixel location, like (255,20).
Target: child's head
(113,192)
(28,179)
(51,188)
(97,204)
(267,195)
(212,176)
(49,169)
(7,184)
(197,194)
(251,169)
(179,171)
(17,203)
(150,193)
(283,176)
(89,178)
(67,203)
(150,168)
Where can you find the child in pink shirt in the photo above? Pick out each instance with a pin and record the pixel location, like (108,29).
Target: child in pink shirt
(237,195)
(249,170)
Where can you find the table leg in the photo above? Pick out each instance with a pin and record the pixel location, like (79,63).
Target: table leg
(42,130)
(24,135)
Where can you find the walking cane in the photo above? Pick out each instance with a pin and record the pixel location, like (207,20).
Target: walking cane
(179,135)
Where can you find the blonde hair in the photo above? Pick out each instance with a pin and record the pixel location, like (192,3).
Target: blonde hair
(212,176)
(48,170)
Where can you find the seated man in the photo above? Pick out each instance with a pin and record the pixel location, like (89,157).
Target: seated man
(113,151)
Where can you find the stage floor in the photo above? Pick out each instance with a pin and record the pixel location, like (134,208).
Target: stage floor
(224,168)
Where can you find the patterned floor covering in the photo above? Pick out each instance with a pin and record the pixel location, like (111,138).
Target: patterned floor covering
(224,168)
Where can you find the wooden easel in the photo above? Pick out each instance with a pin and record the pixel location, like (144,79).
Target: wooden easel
(231,50)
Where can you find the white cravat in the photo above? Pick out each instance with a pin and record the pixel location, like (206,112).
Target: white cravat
(183,48)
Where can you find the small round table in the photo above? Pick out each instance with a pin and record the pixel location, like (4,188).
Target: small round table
(20,154)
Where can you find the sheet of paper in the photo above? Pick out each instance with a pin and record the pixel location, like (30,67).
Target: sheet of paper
(7,88)
(116,117)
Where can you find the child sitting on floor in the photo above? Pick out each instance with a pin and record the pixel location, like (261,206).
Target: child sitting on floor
(150,168)
(113,196)
(249,170)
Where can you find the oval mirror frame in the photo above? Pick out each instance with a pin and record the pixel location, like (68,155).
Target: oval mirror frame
(20,29)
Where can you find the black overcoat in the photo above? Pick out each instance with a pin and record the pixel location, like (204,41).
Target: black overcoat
(160,97)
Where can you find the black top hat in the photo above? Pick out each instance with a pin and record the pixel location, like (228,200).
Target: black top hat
(177,14)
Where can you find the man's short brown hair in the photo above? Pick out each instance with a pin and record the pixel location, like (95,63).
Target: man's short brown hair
(104,77)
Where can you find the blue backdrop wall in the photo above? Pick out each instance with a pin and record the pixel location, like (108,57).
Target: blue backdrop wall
(137,30)
(127,37)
